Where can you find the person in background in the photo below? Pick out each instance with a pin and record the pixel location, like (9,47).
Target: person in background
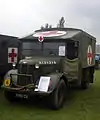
(97,59)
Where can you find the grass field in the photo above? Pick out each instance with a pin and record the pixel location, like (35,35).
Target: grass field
(81,105)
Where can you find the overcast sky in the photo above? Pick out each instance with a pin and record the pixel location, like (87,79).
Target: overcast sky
(21,17)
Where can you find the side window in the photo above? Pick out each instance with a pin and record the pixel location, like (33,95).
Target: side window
(31,45)
(52,48)
(72,50)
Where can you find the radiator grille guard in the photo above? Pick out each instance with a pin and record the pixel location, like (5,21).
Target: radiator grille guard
(23,79)
(25,74)
(22,69)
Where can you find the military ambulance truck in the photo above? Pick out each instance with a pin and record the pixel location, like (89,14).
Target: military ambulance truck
(54,59)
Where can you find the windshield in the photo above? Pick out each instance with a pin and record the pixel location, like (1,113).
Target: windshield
(44,49)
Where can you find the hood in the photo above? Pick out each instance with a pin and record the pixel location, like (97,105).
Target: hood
(40,60)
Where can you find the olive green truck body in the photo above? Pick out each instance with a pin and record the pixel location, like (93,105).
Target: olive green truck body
(53,60)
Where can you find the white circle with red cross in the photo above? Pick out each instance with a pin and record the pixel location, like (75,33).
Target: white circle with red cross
(12,55)
(49,33)
(40,38)
(89,55)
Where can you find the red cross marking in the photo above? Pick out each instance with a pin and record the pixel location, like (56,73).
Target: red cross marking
(89,55)
(40,38)
(12,55)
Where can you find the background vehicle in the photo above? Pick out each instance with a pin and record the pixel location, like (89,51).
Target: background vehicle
(97,61)
(7,43)
(55,58)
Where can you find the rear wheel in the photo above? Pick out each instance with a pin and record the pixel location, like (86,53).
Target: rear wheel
(85,85)
(85,79)
(58,96)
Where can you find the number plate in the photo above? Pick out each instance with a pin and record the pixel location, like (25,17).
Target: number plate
(22,96)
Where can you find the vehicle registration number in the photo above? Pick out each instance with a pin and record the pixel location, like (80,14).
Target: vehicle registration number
(22,95)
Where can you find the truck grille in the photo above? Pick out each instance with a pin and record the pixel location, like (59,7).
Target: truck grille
(25,70)
(22,69)
(24,80)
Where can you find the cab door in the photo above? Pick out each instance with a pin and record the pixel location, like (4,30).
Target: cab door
(70,63)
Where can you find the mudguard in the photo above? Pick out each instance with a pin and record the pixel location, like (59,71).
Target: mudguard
(54,80)
(14,77)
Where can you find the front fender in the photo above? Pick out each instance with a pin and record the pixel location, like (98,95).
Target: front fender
(14,77)
(54,79)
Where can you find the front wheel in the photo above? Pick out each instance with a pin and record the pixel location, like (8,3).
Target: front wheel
(10,96)
(58,96)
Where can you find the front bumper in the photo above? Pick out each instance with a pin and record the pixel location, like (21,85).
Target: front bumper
(29,89)
(25,90)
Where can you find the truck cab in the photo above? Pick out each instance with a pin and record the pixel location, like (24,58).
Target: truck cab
(53,60)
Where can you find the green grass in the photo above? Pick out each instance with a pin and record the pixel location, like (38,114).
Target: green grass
(81,105)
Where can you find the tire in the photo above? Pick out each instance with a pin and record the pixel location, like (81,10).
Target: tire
(10,96)
(85,80)
(57,98)
(85,85)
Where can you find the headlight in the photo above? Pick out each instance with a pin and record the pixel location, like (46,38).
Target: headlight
(37,66)
(14,64)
